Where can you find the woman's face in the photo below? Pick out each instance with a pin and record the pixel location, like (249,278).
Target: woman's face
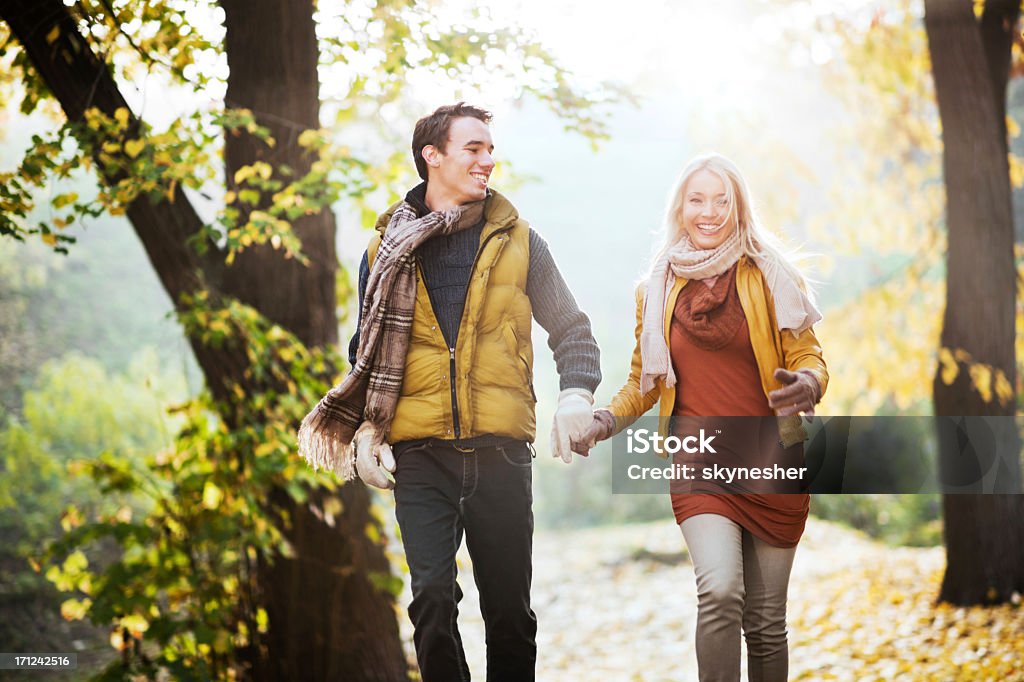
(706,215)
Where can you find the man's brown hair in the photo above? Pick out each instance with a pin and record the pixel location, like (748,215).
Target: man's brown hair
(433,130)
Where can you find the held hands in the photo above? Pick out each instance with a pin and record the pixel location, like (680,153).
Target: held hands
(572,418)
(374,460)
(602,426)
(799,394)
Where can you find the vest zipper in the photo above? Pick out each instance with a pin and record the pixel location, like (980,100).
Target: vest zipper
(455,399)
(451,350)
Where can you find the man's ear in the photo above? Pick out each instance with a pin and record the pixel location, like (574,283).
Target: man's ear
(432,155)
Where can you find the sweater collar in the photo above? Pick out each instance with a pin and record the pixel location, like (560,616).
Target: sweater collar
(417,198)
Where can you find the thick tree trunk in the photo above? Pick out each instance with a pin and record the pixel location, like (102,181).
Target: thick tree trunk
(984,534)
(327,619)
(272,54)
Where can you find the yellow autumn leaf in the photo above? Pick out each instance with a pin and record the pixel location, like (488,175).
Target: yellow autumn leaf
(134,147)
(981,378)
(135,624)
(212,495)
(62,200)
(75,609)
(950,370)
(1004,391)
(121,116)
(1016,170)
(243,174)
(49,238)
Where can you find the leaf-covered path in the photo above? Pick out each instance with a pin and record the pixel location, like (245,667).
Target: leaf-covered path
(618,604)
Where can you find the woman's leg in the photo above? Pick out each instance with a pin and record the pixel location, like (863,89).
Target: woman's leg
(716,549)
(766,581)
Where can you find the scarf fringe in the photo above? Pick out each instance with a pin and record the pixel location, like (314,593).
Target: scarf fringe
(657,364)
(322,445)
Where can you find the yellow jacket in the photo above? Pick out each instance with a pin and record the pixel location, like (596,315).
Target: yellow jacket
(487,379)
(772,349)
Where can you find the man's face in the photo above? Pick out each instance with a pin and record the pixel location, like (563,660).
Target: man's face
(461,173)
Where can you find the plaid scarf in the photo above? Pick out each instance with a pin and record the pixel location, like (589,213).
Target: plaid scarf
(370,391)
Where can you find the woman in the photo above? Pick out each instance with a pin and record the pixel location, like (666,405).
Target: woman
(736,342)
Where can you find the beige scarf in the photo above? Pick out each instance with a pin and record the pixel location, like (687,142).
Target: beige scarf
(793,308)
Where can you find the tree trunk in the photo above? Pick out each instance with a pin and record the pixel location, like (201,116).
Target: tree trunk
(970,60)
(272,54)
(326,616)
(327,619)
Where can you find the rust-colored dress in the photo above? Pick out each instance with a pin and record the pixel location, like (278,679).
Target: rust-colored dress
(717,376)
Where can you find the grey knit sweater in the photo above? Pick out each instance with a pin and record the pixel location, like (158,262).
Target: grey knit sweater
(446,263)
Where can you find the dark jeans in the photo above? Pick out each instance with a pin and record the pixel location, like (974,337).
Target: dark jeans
(441,492)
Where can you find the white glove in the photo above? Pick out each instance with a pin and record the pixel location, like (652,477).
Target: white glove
(374,459)
(573,416)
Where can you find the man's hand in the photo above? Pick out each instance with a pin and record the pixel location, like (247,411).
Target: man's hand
(602,426)
(374,460)
(800,393)
(572,418)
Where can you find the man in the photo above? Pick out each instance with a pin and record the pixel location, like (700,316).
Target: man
(442,385)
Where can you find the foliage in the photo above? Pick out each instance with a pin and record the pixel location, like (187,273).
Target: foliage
(181,595)
(896,519)
(76,409)
(876,620)
(892,220)
(374,49)
(896,220)
(101,300)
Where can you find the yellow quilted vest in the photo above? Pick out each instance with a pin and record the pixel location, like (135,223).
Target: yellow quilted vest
(485,384)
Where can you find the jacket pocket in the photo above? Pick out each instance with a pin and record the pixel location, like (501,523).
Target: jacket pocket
(512,341)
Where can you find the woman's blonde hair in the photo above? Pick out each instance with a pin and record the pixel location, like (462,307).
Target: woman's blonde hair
(756,240)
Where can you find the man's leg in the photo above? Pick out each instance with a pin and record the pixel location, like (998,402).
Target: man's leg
(427,491)
(766,577)
(716,550)
(499,535)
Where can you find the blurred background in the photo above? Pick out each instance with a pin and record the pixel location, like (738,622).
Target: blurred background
(828,108)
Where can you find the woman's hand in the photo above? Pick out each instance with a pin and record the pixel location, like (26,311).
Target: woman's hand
(600,428)
(799,394)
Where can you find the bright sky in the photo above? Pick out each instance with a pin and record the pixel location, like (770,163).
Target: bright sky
(710,49)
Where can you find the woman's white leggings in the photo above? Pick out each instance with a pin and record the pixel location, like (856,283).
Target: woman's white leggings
(741,582)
